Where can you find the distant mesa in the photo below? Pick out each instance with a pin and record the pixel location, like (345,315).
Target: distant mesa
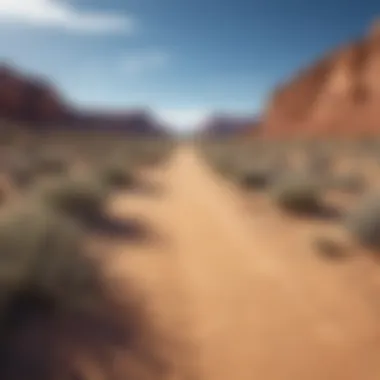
(37,104)
(339,95)
(226,125)
(137,122)
(29,99)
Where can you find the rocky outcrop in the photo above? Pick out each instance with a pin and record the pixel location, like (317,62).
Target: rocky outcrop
(337,96)
(37,105)
(29,100)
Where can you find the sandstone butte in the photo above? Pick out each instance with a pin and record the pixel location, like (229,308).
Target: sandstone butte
(35,103)
(28,99)
(337,96)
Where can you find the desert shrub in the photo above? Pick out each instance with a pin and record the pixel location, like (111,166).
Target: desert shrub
(117,176)
(4,193)
(297,192)
(82,198)
(145,153)
(47,277)
(351,183)
(36,241)
(49,163)
(149,157)
(43,266)
(363,221)
(21,172)
(256,178)
(121,157)
(329,248)
(320,162)
(226,168)
(223,164)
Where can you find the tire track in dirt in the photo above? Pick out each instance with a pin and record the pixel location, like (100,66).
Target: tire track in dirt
(244,291)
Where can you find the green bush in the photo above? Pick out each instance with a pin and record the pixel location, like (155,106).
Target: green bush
(363,221)
(297,192)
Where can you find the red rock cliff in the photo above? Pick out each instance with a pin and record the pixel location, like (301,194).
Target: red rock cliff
(37,104)
(337,96)
(28,99)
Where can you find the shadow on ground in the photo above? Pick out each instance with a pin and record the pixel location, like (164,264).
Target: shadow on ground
(132,229)
(332,249)
(116,342)
(146,187)
(325,213)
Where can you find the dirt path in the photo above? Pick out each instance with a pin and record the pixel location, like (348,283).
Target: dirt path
(244,290)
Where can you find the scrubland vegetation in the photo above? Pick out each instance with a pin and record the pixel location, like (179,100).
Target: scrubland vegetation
(333,179)
(61,309)
(56,301)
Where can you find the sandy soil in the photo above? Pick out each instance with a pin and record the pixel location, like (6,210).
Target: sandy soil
(243,290)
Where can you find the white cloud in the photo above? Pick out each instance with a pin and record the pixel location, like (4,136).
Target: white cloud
(61,15)
(183,119)
(139,62)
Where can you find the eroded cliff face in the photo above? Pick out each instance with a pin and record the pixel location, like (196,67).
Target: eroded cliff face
(339,95)
(35,103)
(28,99)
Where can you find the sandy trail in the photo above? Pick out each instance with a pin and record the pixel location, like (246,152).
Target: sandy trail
(243,289)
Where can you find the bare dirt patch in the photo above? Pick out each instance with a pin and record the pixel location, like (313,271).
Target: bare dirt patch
(242,294)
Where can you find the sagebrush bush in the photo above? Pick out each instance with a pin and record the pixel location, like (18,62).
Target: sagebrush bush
(351,183)
(47,278)
(297,192)
(329,248)
(256,178)
(363,221)
(319,163)
(150,154)
(149,157)
(5,189)
(260,175)
(82,198)
(224,165)
(50,164)
(21,172)
(117,176)
(42,252)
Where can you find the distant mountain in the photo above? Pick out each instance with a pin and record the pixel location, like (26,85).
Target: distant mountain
(37,104)
(134,122)
(229,125)
(339,95)
(29,99)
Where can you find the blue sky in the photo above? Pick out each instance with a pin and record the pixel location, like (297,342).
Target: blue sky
(183,58)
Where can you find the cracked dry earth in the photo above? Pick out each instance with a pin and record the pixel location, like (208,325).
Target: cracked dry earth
(244,291)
